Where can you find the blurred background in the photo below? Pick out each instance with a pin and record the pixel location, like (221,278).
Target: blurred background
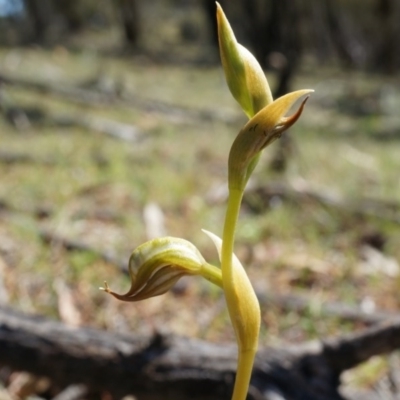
(115,127)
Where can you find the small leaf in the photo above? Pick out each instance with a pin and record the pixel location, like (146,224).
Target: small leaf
(242,302)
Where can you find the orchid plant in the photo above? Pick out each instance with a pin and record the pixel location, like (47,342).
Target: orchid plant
(156,265)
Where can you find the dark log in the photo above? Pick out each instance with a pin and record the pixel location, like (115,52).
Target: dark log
(167,366)
(350,351)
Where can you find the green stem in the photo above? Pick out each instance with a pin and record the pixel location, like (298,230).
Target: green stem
(228,238)
(212,274)
(245,356)
(243,374)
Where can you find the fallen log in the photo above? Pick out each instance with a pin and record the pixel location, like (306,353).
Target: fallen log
(166,366)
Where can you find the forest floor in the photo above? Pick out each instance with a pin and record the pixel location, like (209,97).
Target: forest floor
(327,228)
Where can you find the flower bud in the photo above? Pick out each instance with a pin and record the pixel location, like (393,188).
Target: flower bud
(244,75)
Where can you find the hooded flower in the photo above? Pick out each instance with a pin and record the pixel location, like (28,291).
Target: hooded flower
(260,131)
(156,265)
